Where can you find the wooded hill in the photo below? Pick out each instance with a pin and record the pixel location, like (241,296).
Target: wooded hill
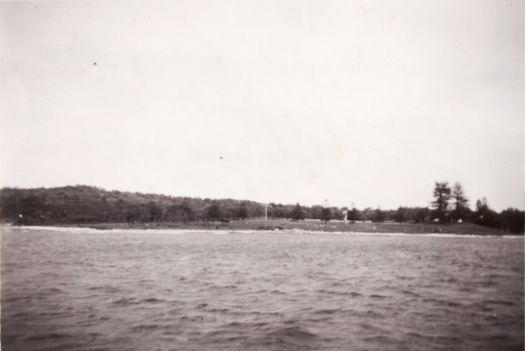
(86,204)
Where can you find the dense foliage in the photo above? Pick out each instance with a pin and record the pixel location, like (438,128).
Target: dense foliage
(86,204)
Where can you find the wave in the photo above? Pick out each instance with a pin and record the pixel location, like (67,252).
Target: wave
(328,311)
(291,333)
(48,336)
(341,293)
(135,301)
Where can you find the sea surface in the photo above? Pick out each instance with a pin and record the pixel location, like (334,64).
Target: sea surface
(80,289)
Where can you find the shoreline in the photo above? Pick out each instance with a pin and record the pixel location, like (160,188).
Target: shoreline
(253,226)
(78,229)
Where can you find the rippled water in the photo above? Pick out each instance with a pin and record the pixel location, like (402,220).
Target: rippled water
(85,290)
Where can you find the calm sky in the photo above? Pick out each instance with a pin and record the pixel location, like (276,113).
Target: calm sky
(364,102)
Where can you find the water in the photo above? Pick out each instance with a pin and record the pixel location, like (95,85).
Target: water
(86,290)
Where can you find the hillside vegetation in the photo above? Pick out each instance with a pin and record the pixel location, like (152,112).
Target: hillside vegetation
(87,205)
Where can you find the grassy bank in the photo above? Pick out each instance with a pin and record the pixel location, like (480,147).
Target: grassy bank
(283,224)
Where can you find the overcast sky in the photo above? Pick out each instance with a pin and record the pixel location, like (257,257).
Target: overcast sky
(364,102)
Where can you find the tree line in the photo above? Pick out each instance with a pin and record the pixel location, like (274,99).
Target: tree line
(86,204)
(452,205)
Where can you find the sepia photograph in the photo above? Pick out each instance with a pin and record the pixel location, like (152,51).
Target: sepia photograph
(252,175)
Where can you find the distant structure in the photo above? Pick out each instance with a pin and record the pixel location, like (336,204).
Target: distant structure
(265,212)
(345,216)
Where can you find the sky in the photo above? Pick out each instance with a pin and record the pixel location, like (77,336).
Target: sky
(363,103)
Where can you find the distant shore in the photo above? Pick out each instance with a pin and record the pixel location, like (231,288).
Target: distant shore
(306,225)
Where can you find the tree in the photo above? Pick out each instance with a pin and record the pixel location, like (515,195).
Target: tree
(460,202)
(368,214)
(242,211)
(136,213)
(422,215)
(512,220)
(400,215)
(326,214)
(442,196)
(155,212)
(316,211)
(337,213)
(482,206)
(297,213)
(379,216)
(179,213)
(353,215)
(485,215)
(213,213)
(277,211)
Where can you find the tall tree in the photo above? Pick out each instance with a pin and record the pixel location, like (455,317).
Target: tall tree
(460,201)
(441,196)
(297,213)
